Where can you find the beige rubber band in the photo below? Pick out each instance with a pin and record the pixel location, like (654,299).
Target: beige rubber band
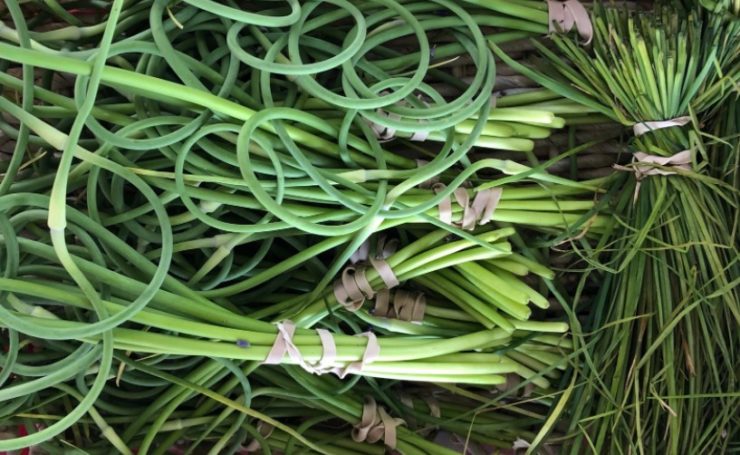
(376,425)
(407,401)
(382,303)
(329,351)
(433,404)
(641,128)
(372,351)
(485,203)
(353,288)
(387,133)
(563,16)
(644,165)
(284,344)
(362,253)
(444,206)
(363,283)
(407,306)
(347,291)
(478,213)
(385,272)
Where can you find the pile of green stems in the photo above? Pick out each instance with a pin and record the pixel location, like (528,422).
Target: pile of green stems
(659,345)
(154,270)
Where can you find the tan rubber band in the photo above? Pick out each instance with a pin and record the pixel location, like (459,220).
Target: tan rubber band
(347,291)
(363,283)
(382,303)
(353,288)
(284,344)
(407,401)
(512,381)
(372,351)
(644,165)
(376,424)
(563,16)
(485,203)
(407,306)
(479,212)
(444,206)
(329,351)
(362,253)
(641,128)
(385,272)
(433,404)
(420,136)
(410,306)
(387,133)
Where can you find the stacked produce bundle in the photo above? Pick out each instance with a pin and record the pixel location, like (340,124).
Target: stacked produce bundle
(662,350)
(222,219)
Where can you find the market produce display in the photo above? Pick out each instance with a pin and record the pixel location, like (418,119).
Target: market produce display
(341,227)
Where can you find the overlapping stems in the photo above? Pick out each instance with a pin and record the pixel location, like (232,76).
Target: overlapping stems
(674,251)
(123,232)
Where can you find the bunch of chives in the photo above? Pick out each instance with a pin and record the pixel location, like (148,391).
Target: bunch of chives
(662,327)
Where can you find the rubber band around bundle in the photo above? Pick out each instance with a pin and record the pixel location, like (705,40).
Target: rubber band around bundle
(478,213)
(372,352)
(327,363)
(644,165)
(387,133)
(564,15)
(284,344)
(376,425)
(512,382)
(641,128)
(353,288)
(434,410)
(406,305)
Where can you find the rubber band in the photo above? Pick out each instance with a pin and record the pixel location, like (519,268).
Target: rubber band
(284,344)
(513,381)
(384,133)
(644,165)
(641,128)
(407,306)
(419,136)
(376,424)
(563,16)
(434,409)
(372,352)
(387,133)
(353,288)
(329,351)
(478,213)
